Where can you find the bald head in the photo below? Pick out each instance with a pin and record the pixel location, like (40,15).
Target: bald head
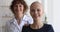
(36,10)
(36,4)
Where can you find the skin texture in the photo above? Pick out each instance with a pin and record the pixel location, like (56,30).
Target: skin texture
(18,8)
(36,11)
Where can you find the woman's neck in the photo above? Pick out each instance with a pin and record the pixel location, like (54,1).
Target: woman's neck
(37,24)
(18,20)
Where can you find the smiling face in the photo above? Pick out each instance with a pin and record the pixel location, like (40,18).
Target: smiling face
(36,10)
(18,9)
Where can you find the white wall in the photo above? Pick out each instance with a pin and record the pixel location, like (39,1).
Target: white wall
(56,15)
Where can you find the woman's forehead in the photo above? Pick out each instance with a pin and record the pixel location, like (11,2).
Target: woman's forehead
(36,4)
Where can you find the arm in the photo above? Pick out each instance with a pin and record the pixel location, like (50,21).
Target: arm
(8,28)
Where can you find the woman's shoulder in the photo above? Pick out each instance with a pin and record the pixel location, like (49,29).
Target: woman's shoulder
(48,25)
(45,26)
(10,21)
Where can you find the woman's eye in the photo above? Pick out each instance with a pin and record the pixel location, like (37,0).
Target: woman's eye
(38,10)
(20,6)
(15,5)
(32,10)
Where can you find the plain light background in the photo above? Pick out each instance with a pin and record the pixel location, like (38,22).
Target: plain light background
(56,15)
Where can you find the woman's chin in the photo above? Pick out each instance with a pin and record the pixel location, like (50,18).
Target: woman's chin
(36,18)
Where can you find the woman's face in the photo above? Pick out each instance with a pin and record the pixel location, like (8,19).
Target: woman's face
(18,8)
(36,11)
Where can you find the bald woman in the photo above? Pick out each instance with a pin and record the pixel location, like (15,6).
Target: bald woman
(36,11)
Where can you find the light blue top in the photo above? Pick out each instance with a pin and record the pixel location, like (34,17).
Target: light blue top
(12,25)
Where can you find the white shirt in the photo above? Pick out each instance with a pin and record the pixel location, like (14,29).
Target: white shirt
(12,25)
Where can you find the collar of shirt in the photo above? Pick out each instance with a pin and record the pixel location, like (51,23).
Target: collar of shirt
(26,20)
(14,22)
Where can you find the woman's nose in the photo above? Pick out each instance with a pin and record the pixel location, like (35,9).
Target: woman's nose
(18,8)
(36,12)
